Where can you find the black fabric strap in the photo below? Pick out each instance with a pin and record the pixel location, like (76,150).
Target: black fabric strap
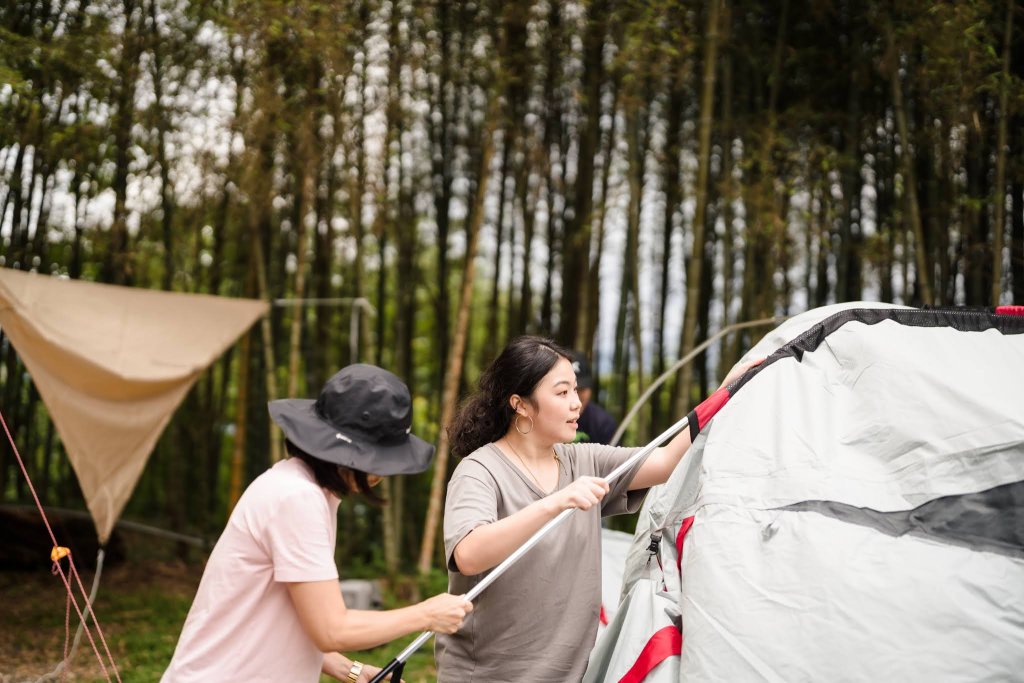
(691,418)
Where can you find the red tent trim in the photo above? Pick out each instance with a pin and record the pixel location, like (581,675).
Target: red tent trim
(680,537)
(668,642)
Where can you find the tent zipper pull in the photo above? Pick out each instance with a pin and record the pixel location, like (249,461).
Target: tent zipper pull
(654,549)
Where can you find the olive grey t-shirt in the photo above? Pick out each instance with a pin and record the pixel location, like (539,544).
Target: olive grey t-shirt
(538,621)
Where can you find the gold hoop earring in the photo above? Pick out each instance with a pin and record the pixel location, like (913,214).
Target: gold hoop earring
(517,424)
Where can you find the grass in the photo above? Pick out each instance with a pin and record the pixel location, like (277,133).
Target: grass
(141,607)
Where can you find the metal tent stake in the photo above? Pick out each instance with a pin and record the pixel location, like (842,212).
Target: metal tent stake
(397,665)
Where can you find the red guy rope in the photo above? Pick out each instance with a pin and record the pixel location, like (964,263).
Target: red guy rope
(56,555)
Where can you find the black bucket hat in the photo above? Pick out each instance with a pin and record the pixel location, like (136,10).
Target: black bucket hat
(361,420)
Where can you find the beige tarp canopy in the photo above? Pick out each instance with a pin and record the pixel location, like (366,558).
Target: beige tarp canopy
(112,364)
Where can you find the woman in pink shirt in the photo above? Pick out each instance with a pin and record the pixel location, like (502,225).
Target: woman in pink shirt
(269,606)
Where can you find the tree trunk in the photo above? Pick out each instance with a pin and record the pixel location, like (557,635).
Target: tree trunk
(932,173)
(848,263)
(118,265)
(356,195)
(260,227)
(12,397)
(241,422)
(408,249)
(810,232)
(322,357)
(824,236)
(516,79)
(491,346)
(408,245)
(166,193)
(18,200)
(730,350)
(39,240)
(924,280)
(459,343)
(884,203)
(552,124)
(576,252)
(707,293)
(771,215)
(48,444)
(443,153)
(672,190)
(999,196)
(696,263)
(306,190)
(1017,221)
(620,364)
(636,136)
(527,195)
(595,269)
(976,260)
(27,207)
(13,198)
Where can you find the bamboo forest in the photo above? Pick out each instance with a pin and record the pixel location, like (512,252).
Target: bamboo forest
(413,184)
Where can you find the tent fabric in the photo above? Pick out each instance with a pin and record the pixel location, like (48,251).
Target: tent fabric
(614,548)
(112,364)
(646,611)
(856,511)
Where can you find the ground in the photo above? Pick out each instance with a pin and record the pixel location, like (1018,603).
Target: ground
(141,607)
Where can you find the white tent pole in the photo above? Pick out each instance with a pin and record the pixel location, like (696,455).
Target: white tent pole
(532,541)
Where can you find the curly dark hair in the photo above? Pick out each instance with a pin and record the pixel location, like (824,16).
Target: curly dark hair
(486,415)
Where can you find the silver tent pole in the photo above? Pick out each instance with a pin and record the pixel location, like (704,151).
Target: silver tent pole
(398,663)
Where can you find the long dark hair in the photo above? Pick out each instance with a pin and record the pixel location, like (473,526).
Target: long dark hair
(486,415)
(328,475)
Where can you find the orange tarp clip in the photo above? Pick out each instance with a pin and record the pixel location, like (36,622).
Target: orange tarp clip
(59,553)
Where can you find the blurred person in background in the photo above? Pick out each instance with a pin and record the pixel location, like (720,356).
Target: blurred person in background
(595,424)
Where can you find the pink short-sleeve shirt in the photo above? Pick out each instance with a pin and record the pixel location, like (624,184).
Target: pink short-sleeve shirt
(242,625)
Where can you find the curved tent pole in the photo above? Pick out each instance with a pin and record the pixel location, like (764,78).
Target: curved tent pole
(680,363)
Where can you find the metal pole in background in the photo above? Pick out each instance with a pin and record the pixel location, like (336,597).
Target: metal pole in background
(358,305)
(680,363)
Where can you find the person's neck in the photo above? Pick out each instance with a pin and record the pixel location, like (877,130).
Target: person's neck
(530,449)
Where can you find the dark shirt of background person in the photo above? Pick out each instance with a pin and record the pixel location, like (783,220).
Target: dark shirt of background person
(595,424)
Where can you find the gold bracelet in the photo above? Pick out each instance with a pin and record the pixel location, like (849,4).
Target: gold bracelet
(353,673)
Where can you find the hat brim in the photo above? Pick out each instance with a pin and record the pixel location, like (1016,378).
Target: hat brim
(308,431)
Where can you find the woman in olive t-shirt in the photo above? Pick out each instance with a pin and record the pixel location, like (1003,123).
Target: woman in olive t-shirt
(538,621)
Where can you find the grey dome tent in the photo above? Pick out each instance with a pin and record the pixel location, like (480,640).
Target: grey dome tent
(854,512)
